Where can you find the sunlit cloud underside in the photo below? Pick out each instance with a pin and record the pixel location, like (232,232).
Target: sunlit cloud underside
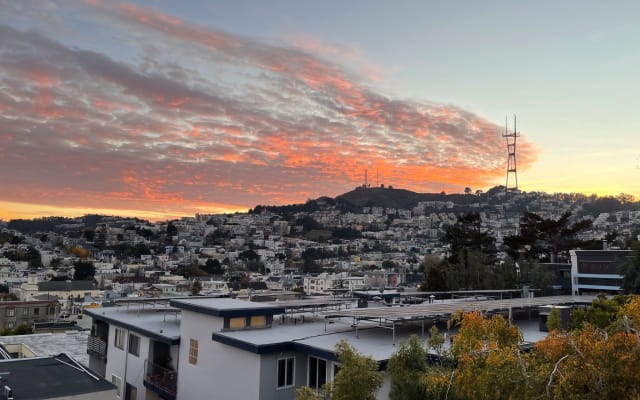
(200,120)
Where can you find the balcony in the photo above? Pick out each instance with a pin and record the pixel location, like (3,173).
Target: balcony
(161,380)
(96,347)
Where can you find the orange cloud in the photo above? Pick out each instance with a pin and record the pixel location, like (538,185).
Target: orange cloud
(165,136)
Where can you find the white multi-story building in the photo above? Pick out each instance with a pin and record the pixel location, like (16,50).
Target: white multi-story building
(227,349)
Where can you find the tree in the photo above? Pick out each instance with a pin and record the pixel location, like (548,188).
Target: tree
(388,265)
(307,393)
(466,234)
(631,272)
(405,367)
(196,287)
(89,235)
(358,378)
(212,267)
(83,270)
(553,320)
(544,239)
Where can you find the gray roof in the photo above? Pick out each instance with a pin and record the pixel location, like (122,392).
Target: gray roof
(63,286)
(51,377)
(73,343)
(225,307)
(162,324)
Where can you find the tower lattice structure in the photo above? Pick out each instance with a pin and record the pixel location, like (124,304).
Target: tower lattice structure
(512,170)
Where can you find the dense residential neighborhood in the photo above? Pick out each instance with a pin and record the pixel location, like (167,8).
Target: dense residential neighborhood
(316,247)
(280,294)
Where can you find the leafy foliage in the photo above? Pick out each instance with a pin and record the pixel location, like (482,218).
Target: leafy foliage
(405,367)
(631,272)
(358,378)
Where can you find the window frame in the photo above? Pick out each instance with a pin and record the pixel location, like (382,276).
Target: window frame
(193,351)
(289,372)
(117,382)
(133,344)
(316,386)
(119,338)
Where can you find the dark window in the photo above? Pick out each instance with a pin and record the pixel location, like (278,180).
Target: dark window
(317,372)
(285,372)
(36,311)
(134,344)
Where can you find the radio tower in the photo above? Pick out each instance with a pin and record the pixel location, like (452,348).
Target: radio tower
(511,160)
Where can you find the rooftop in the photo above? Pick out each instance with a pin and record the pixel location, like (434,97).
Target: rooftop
(51,377)
(161,323)
(73,343)
(226,307)
(375,331)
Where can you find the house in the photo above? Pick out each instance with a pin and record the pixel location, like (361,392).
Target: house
(68,291)
(16,313)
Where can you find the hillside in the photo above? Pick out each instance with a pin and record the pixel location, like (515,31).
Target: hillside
(398,198)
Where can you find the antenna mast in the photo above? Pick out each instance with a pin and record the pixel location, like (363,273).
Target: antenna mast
(512,170)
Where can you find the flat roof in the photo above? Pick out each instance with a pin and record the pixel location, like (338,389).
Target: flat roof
(160,324)
(311,338)
(73,343)
(444,309)
(226,307)
(51,377)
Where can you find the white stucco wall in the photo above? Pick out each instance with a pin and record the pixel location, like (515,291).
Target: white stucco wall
(117,359)
(222,372)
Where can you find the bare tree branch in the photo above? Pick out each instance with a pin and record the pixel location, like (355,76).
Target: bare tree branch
(555,371)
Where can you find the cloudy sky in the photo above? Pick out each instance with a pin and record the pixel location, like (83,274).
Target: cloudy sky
(167,108)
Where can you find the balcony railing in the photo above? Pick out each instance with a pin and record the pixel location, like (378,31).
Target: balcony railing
(161,380)
(97,347)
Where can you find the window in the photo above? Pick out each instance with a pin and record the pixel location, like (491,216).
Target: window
(119,339)
(258,321)
(237,322)
(36,311)
(193,351)
(117,382)
(285,372)
(25,312)
(11,312)
(11,324)
(134,344)
(317,372)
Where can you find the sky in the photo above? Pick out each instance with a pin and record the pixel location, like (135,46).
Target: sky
(160,109)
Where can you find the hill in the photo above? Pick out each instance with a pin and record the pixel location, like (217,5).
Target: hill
(398,198)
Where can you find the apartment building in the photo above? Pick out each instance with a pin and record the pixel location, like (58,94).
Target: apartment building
(597,271)
(16,313)
(198,348)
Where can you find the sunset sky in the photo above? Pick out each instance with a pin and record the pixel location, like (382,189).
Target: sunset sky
(162,108)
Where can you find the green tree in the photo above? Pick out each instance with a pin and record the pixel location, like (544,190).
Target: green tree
(212,266)
(358,378)
(602,313)
(307,393)
(83,270)
(553,320)
(405,367)
(196,287)
(630,271)
(544,239)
